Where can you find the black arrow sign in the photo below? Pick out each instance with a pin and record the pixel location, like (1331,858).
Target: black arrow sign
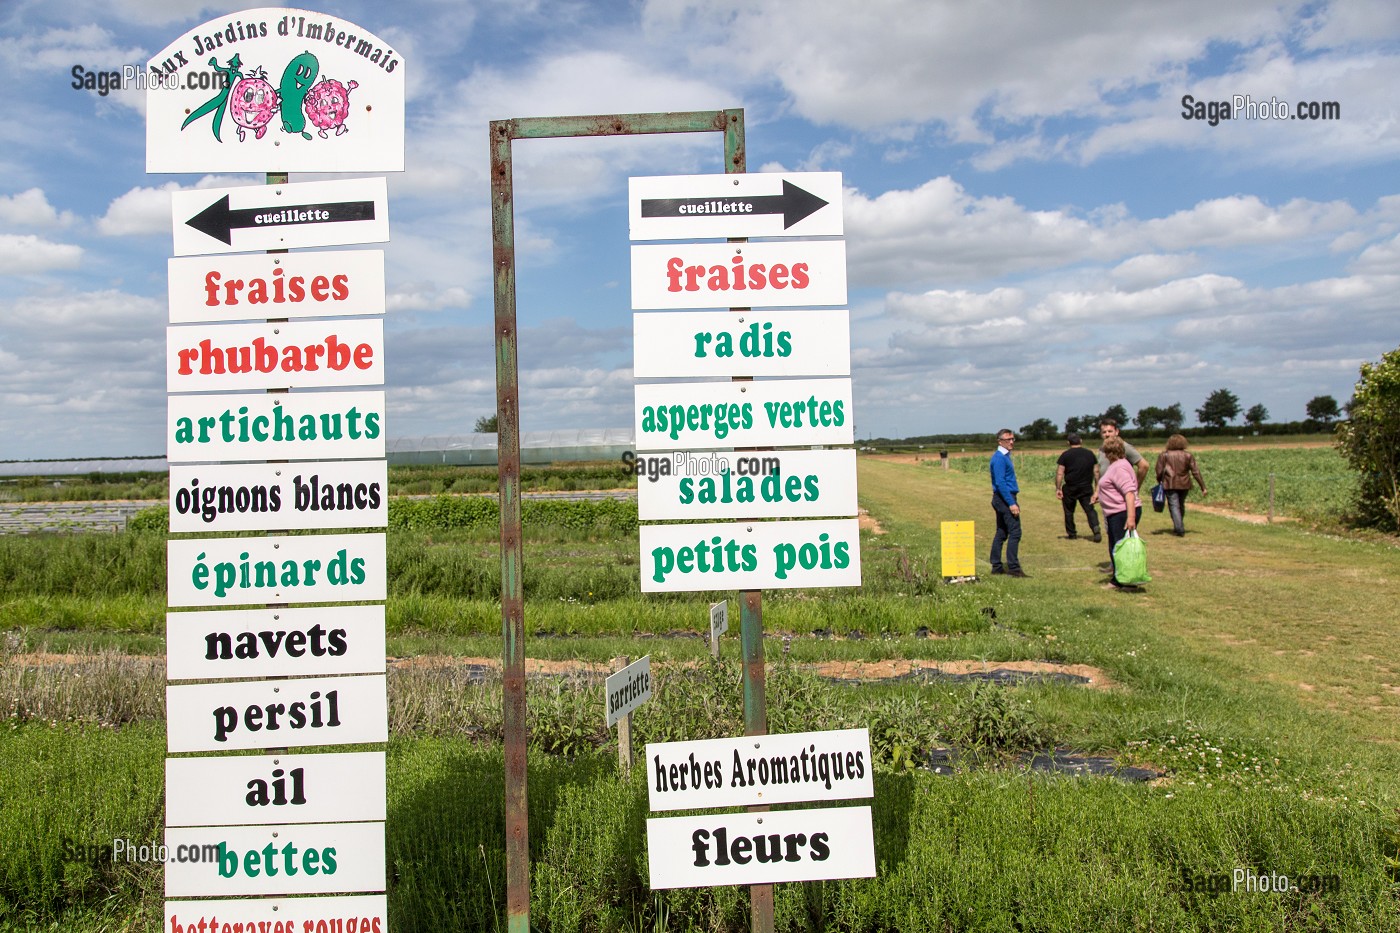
(794,204)
(219,221)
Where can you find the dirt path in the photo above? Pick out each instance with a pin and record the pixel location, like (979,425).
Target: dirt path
(836,670)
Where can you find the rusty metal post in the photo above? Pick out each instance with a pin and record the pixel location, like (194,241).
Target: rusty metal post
(751,601)
(502,133)
(512,548)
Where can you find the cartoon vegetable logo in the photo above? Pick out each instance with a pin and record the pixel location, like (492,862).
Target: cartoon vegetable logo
(297,78)
(328,104)
(252,103)
(216,104)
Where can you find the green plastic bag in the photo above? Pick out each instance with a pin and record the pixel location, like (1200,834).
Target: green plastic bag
(1130,560)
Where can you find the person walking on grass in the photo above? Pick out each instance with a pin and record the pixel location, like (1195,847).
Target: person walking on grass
(1004,492)
(1109,428)
(1074,486)
(1118,494)
(1175,467)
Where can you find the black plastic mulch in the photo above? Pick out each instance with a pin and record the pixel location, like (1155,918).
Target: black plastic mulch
(1000,676)
(1057,761)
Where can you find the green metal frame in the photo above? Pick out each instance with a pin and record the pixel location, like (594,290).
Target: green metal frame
(503,133)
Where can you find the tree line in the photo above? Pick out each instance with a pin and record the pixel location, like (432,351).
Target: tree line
(1219,409)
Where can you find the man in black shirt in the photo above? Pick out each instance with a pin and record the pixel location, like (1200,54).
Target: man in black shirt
(1075,476)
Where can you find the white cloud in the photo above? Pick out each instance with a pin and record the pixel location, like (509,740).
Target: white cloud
(89,376)
(938,231)
(1151,269)
(1049,81)
(950,60)
(58,50)
(1378,258)
(26,253)
(143,211)
(425,296)
(31,209)
(139,211)
(1198,295)
(957,307)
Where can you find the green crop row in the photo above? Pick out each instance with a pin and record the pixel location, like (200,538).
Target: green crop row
(445,513)
(1313,483)
(408,480)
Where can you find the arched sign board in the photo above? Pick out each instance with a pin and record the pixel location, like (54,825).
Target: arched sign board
(276,89)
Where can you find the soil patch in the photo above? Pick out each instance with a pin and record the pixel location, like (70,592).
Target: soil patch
(868,523)
(1250,517)
(1000,671)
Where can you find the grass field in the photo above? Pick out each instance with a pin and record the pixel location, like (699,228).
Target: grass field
(1259,673)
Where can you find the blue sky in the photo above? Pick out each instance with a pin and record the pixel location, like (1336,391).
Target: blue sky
(1033,229)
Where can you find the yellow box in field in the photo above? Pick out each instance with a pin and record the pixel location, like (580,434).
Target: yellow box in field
(958,549)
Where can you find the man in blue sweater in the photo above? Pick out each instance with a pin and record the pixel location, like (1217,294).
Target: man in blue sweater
(1004,490)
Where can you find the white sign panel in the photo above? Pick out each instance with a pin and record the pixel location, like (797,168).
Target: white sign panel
(367,913)
(296,569)
(276,714)
(304,354)
(263,285)
(690,207)
(710,415)
(311,858)
(305,426)
(244,643)
(739,275)
(750,555)
(279,496)
(686,344)
(233,790)
(760,769)
(261,217)
(276,87)
(719,622)
(760,848)
(627,689)
(767,484)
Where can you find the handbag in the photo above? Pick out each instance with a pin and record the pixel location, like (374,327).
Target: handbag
(1130,560)
(1159,498)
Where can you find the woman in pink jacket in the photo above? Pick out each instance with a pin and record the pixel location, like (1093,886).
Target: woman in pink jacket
(1118,497)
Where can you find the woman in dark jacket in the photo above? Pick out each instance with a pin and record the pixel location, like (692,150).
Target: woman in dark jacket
(1175,467)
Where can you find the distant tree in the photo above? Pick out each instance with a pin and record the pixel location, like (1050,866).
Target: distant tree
(1221,407)
(1083,424)
(1041,429)
(1370,441)
(1256,416)
(1149,417)
(1172,418)
(1116,413)
(1323,408)
(486,424)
